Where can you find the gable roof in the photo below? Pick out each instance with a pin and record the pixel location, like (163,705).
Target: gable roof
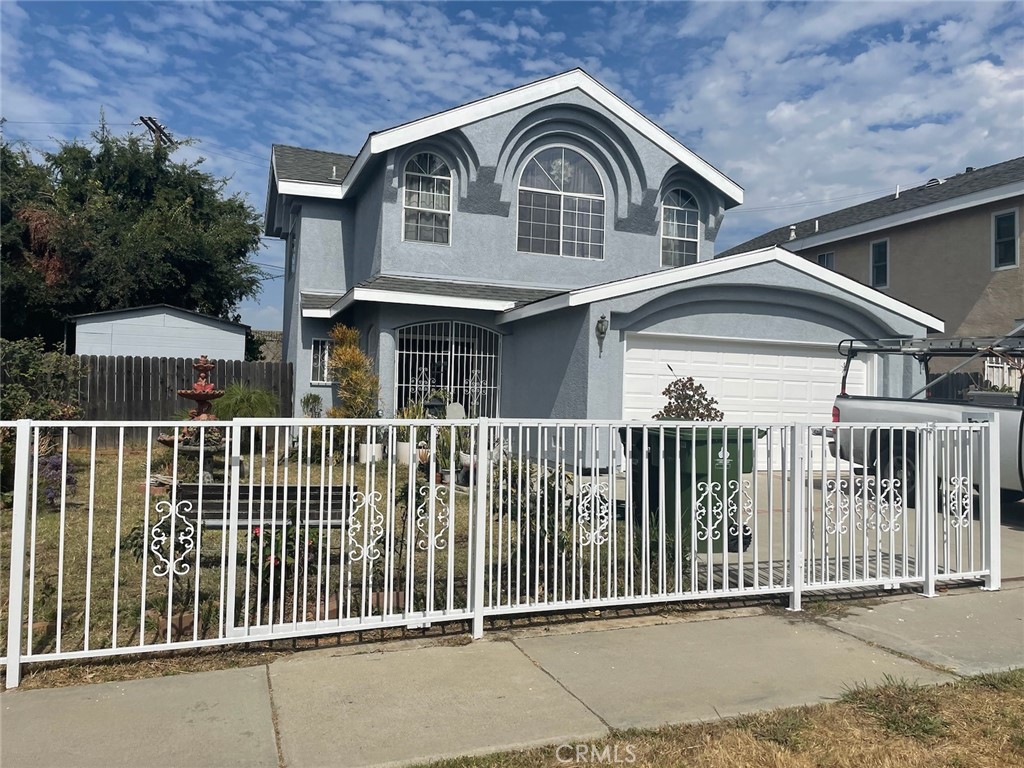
(309,165)
(974,186)
(575,79)
(161,308)
(682,275)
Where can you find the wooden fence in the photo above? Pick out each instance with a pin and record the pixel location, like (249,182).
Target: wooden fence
(146,388)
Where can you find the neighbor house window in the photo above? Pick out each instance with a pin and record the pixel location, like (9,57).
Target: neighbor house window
(827,260)
(679,229)
(321,354)
(561,205)
(880,264)
(1004,239)
(428,199)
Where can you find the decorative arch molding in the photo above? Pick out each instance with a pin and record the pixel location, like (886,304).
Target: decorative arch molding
(585,130)
(711,204)
(806,306)
(453,147)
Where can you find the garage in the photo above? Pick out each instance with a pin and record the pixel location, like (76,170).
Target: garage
(754,382)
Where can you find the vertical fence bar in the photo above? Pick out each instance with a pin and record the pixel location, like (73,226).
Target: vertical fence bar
(19,518)
(796,515)
(232,532)
(479,522)
(990,509)
(927,508)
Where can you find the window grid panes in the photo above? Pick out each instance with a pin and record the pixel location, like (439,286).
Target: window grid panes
(680,229)
(880,264)
(561,206)
(319,373)
(428,199)
(1005,243)
(827,260)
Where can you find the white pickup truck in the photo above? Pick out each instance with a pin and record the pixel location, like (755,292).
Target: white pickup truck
(890,452)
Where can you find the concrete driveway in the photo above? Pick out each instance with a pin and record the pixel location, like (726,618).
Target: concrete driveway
(1013,540)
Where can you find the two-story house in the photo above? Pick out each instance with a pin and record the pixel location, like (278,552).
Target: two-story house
(951,247)
(548,252)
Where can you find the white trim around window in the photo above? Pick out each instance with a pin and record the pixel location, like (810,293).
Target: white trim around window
(321,351)
(680,229)
(578,221)
(431,174)
(1004,242)
(879,248)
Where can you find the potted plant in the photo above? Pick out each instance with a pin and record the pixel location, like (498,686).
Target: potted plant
(414,409)
(358,388)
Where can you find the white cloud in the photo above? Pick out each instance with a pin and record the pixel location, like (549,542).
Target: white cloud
(799,103)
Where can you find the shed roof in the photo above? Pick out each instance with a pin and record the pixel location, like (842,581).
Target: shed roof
(161,308)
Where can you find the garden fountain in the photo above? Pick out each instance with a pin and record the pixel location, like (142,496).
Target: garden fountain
(202,394)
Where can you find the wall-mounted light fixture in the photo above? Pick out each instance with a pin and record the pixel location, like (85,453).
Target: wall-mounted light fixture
(601,330)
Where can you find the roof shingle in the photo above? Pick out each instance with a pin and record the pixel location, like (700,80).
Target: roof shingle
(961,184)
(298,164)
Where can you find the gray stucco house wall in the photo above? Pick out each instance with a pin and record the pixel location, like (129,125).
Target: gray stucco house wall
(354,264)
(158,331)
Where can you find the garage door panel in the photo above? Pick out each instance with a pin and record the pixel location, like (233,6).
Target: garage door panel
(752,381)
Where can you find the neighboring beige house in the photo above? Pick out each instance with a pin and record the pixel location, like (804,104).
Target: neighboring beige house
(951,247)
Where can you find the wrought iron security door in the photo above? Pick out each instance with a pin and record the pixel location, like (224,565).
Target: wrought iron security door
(460,358)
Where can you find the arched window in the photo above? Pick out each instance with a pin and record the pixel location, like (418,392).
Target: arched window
(428,199)
(561,205)
(679,229)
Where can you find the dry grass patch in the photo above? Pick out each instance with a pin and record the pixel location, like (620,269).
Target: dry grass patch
(976,723)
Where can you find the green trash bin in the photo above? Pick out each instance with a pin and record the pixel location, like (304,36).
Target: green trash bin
(712,457)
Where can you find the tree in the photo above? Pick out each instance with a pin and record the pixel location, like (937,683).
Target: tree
(116,225)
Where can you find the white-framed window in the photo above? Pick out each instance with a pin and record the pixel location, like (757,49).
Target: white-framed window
(1004,239)
(318,373)
(880,264)
(827,260)
(680,229)
(561,205)
(428,200)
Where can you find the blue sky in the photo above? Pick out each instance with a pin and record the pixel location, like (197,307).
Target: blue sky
(808,106)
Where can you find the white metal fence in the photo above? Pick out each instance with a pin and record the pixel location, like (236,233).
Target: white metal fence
(209,533)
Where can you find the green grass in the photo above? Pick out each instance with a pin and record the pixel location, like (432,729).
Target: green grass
(903,708)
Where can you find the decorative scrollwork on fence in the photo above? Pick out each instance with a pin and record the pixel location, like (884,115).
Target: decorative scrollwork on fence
(837,506)
(717,502)
(595,514)
(877,504)
(171,531)
(434,501)
(365,511)
(959,502)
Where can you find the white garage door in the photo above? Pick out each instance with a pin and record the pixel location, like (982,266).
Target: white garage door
(752,382)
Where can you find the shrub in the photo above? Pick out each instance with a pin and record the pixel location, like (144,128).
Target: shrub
(243,401)
(688,401)
(352,371)
(312,405)
(36,384)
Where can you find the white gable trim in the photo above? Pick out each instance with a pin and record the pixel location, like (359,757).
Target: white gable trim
(310,189)
(683,275)
(524,95)
(941,208)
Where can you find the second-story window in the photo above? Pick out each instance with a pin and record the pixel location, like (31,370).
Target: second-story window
(827,260)
(679,229)
(880,264)
(561,205)
(428,199)
(1004,239)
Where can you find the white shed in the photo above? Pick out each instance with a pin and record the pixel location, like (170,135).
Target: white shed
(159,330)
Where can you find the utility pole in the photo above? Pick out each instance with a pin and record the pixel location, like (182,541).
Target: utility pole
(157,131)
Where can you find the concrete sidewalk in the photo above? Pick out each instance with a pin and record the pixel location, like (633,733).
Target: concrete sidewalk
(416,701)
